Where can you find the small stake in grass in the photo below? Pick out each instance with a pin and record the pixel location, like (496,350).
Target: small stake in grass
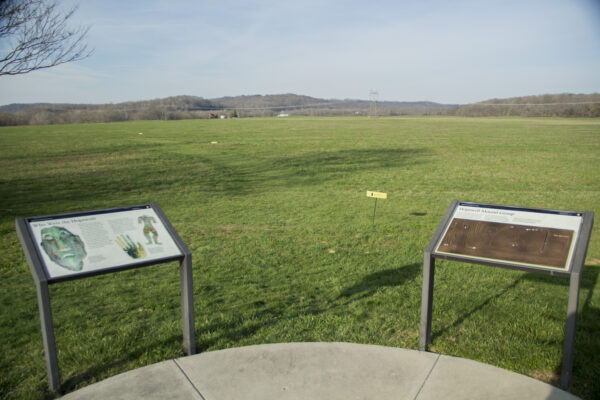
(376,195)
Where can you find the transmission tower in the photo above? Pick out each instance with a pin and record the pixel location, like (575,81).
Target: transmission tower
(373,97)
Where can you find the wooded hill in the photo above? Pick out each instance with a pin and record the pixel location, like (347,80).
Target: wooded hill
(547,105)
(192,107)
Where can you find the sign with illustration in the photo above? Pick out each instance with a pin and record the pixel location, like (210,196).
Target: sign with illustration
(533,238)
(70,246)
(76,244)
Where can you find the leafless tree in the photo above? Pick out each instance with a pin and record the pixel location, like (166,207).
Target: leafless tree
(34,34)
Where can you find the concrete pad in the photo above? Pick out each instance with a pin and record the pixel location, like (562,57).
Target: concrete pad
(309,371)
(158,381)
(459,378)
(327,371)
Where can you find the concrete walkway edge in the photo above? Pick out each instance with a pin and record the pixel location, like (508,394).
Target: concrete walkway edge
(320,371)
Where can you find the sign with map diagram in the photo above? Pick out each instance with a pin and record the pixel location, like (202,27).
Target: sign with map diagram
(94,241)
(532,238)
(541,241)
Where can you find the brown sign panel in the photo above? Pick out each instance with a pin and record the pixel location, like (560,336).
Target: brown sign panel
(532,238)
(516,243)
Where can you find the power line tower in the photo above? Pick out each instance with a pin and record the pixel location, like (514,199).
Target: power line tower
(373,97)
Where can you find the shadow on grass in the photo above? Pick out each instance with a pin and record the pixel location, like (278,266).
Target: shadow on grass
(268,314)
(231,174)
(587,346)
(586,363)
(224,174)
(438,333)
(386,278)
(236,331)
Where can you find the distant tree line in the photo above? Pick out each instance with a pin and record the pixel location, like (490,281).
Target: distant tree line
(191,107)
(548,105)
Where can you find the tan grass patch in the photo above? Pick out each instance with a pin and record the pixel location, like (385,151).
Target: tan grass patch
(551,377)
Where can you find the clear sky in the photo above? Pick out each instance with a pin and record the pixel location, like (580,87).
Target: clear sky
(447,51)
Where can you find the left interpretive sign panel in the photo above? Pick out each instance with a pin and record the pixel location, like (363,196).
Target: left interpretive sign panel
(92,242)
(71,246)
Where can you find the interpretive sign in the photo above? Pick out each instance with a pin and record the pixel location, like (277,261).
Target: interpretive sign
(88,243)
(544,241)
(531,238)
(78,245)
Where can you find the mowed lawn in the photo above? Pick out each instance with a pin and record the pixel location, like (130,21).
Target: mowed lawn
(284,249)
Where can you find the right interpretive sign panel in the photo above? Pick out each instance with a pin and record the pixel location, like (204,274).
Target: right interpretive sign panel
(551,242)
(532,238)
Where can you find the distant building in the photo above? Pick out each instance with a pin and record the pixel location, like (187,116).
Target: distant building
(282,115)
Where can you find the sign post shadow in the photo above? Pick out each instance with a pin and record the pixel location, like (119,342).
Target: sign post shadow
(72,246)
(550,242)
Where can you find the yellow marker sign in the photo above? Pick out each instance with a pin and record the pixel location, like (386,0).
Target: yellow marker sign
(377,195)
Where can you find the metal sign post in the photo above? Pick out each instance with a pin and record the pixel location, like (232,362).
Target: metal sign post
(65,247)
(543,241)
(376,195)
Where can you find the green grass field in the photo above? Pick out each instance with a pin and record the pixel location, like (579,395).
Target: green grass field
(276,216)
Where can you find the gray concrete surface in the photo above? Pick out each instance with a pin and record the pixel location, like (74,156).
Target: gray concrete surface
(319,371)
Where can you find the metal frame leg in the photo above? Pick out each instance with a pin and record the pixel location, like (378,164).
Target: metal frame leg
(426,301)
(48,335)
(569,344)
(187,305)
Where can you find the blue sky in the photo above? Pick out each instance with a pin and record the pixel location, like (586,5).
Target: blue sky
(446,51)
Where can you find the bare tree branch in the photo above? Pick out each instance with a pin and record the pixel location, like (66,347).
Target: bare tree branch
(34,34)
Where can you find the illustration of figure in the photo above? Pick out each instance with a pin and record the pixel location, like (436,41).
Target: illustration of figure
(149,229)
(129,247)
(63,247)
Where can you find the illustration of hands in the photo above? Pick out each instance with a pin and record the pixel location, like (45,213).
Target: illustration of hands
(129,247)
